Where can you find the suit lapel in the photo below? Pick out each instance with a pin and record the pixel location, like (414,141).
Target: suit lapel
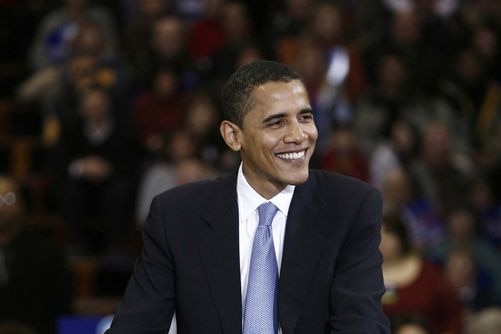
(219,251)
(305,235)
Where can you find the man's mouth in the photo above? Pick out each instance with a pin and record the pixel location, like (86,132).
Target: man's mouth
(292,155)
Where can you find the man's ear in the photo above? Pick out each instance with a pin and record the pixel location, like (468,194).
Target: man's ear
(231,135)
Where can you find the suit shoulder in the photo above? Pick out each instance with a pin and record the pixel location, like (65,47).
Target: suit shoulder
(189,191)
(331,181)
(340,190)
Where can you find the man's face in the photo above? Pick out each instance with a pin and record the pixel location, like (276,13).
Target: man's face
(277,137)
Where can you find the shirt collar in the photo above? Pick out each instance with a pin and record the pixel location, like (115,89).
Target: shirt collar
(249,200)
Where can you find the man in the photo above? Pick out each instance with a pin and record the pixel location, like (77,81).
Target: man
(199,259)
(95,165)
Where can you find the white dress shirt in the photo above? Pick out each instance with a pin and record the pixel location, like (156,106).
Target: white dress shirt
(248,202)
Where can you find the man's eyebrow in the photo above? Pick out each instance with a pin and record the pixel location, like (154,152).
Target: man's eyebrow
(306,111)
(274,117)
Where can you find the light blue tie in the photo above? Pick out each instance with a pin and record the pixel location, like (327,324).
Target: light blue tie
(260,315)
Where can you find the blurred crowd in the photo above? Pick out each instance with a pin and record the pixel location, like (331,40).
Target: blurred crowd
(406,96)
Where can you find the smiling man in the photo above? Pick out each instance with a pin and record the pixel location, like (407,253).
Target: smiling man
(272,248)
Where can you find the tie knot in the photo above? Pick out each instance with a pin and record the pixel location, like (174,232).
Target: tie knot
(266,213)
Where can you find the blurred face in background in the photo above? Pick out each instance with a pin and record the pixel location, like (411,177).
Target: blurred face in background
(75,4)
(180,146)
(95,106)
(168,37)
(191,170)
(201,115)
(460,269)
(461,224)
(468,68)
(152,8)
(247,55)
(403,137)
(390,246)
(327,25)
(165,83)
(392,72)
(406,29)
(298,9)
(236,21)
(397,191)
(436,145)
(90,39)
(311,64)
(81,71)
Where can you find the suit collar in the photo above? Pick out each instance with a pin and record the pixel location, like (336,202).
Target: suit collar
(306,232)
(220,254)
(305,235)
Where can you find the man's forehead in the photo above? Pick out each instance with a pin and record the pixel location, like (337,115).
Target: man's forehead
(277,89)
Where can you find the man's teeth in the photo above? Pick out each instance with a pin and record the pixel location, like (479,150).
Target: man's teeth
(291,156)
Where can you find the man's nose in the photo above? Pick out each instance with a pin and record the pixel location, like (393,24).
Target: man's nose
(295,133)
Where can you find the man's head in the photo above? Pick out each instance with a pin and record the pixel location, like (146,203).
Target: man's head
(269,120)
(236,96)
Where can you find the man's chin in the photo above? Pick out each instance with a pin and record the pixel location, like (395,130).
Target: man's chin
(298,179)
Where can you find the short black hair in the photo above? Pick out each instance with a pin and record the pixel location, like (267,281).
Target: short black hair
(236,93)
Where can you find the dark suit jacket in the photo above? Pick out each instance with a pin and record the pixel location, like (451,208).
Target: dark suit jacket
(330,279)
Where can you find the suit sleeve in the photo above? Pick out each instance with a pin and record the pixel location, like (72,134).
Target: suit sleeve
(149,300)
(358,282)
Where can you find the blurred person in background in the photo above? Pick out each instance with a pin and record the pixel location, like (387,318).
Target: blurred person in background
(166,48)
(35,284)
(81,73)
(392,98)
(406,34)
(467,88)
(159,110)
(463,232)
(161,174)
(488,208)
(401,151)
(487,321)
(325,28)
(442,175)
(290,20)
(201,120)
(474,286)
(387,101)
(56,31)
(207,34)
(141,15)
(344,156)
(415,286)
(53,90)
(239,30)
(401,199)
(96,159)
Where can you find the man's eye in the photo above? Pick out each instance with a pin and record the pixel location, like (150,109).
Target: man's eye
(306,117)
(276,123)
